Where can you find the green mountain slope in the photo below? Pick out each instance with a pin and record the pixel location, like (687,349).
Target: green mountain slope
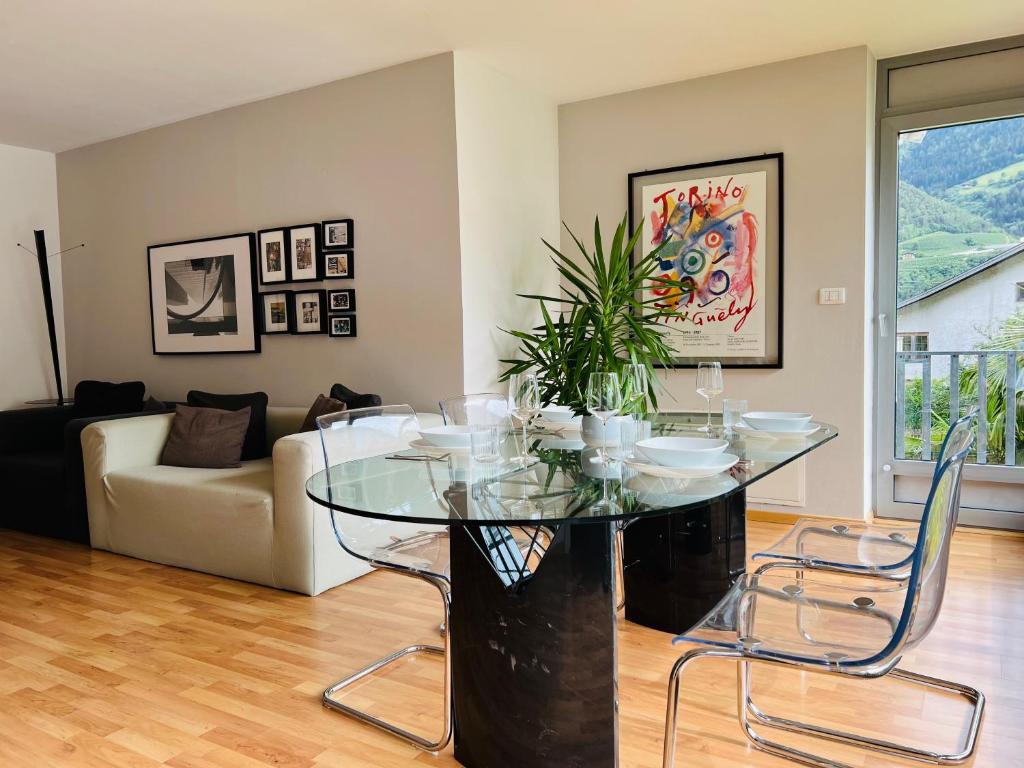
(921,214)
(953,155)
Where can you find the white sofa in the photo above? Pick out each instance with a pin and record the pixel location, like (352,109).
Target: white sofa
(254,523)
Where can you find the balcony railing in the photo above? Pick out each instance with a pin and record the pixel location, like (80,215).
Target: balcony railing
(933,388)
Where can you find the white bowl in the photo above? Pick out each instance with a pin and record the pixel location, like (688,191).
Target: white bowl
(777,421)
(447,436)
(682,451)
(557,413)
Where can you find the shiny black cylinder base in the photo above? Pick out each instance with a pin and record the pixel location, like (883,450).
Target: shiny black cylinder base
(678,566)
(534,661)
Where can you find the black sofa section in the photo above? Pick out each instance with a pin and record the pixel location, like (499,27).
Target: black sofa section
(41,468)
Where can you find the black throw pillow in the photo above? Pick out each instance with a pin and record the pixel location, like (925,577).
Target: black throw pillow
(354,399)
(105,398)
(255,446)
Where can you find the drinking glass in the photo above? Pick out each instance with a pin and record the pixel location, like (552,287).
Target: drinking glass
(523,405)
(732,412)
(634,395)
(485,443)
(604,400)
(709,385)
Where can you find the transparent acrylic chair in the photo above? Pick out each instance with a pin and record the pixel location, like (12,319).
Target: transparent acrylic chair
(879,549)
(858,631)
(421,552)
(486,408)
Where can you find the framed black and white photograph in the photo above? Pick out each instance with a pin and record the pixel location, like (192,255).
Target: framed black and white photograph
(276,312)
(339,265)
(343,300)
(719,227)
(338,234)
(202,296)
(305,259)
(342,325)
(309,311)
(273,255)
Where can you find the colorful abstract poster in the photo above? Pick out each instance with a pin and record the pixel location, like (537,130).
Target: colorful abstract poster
(714,230)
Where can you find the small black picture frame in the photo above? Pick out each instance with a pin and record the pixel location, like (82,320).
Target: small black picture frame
(309,311)
(338,235)
(305,254)
(277,312)
(341,300)
(341,326)
(273,255)
(339,265)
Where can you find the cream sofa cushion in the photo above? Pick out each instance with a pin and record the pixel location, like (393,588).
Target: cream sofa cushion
(215,520)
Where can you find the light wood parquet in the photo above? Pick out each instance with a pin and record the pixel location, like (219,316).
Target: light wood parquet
(109,661)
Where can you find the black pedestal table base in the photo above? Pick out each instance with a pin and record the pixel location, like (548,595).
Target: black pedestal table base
(534,661)
(678,566)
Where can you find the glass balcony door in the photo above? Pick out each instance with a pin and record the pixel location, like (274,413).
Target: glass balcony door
(950,325)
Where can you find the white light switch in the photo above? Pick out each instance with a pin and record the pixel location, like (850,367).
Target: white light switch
(831,295)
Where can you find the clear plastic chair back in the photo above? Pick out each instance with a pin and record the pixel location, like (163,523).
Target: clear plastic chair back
(363,433)
(958,437)
(931,561)
(485,409)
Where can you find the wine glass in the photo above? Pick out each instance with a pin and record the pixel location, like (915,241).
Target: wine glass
(634,396)
(709,385)
(523,405)
(604,400)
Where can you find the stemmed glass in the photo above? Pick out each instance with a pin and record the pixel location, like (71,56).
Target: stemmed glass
(709,385)
(634,395)
(523,405)
(604,400)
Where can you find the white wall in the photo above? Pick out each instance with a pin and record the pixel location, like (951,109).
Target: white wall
(508,201)
(379,148)
(28,201)
(965,314)
(818,110)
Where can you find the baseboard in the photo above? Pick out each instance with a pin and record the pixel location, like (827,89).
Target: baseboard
(770,516)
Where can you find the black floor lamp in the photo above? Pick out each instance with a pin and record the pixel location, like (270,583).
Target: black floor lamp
(44,277)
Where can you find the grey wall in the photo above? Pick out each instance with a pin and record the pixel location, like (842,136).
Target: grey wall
(817,110)
(379,148)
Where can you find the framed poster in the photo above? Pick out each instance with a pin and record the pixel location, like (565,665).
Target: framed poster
(310,311)
(719,226)
(338,234)
(305,259)
(202,297)
(273,256)
(276,312)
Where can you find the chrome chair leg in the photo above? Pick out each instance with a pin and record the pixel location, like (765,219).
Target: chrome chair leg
(330,702)
(672,710)
(748,709)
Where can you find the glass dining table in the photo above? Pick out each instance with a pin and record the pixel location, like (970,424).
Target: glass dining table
(536,554)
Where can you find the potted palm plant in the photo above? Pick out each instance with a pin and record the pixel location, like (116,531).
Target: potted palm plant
(600,322)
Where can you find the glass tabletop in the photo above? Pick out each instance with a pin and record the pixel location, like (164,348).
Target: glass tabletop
(565,483)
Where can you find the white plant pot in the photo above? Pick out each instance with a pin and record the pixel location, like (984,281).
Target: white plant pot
(594,433)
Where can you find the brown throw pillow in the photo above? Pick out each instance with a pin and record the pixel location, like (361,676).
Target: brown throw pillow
(207,438)
(323,405)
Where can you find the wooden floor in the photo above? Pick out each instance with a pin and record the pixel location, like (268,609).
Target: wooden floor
(109,661)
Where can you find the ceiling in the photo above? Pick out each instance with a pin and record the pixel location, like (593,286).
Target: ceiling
(73,72)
